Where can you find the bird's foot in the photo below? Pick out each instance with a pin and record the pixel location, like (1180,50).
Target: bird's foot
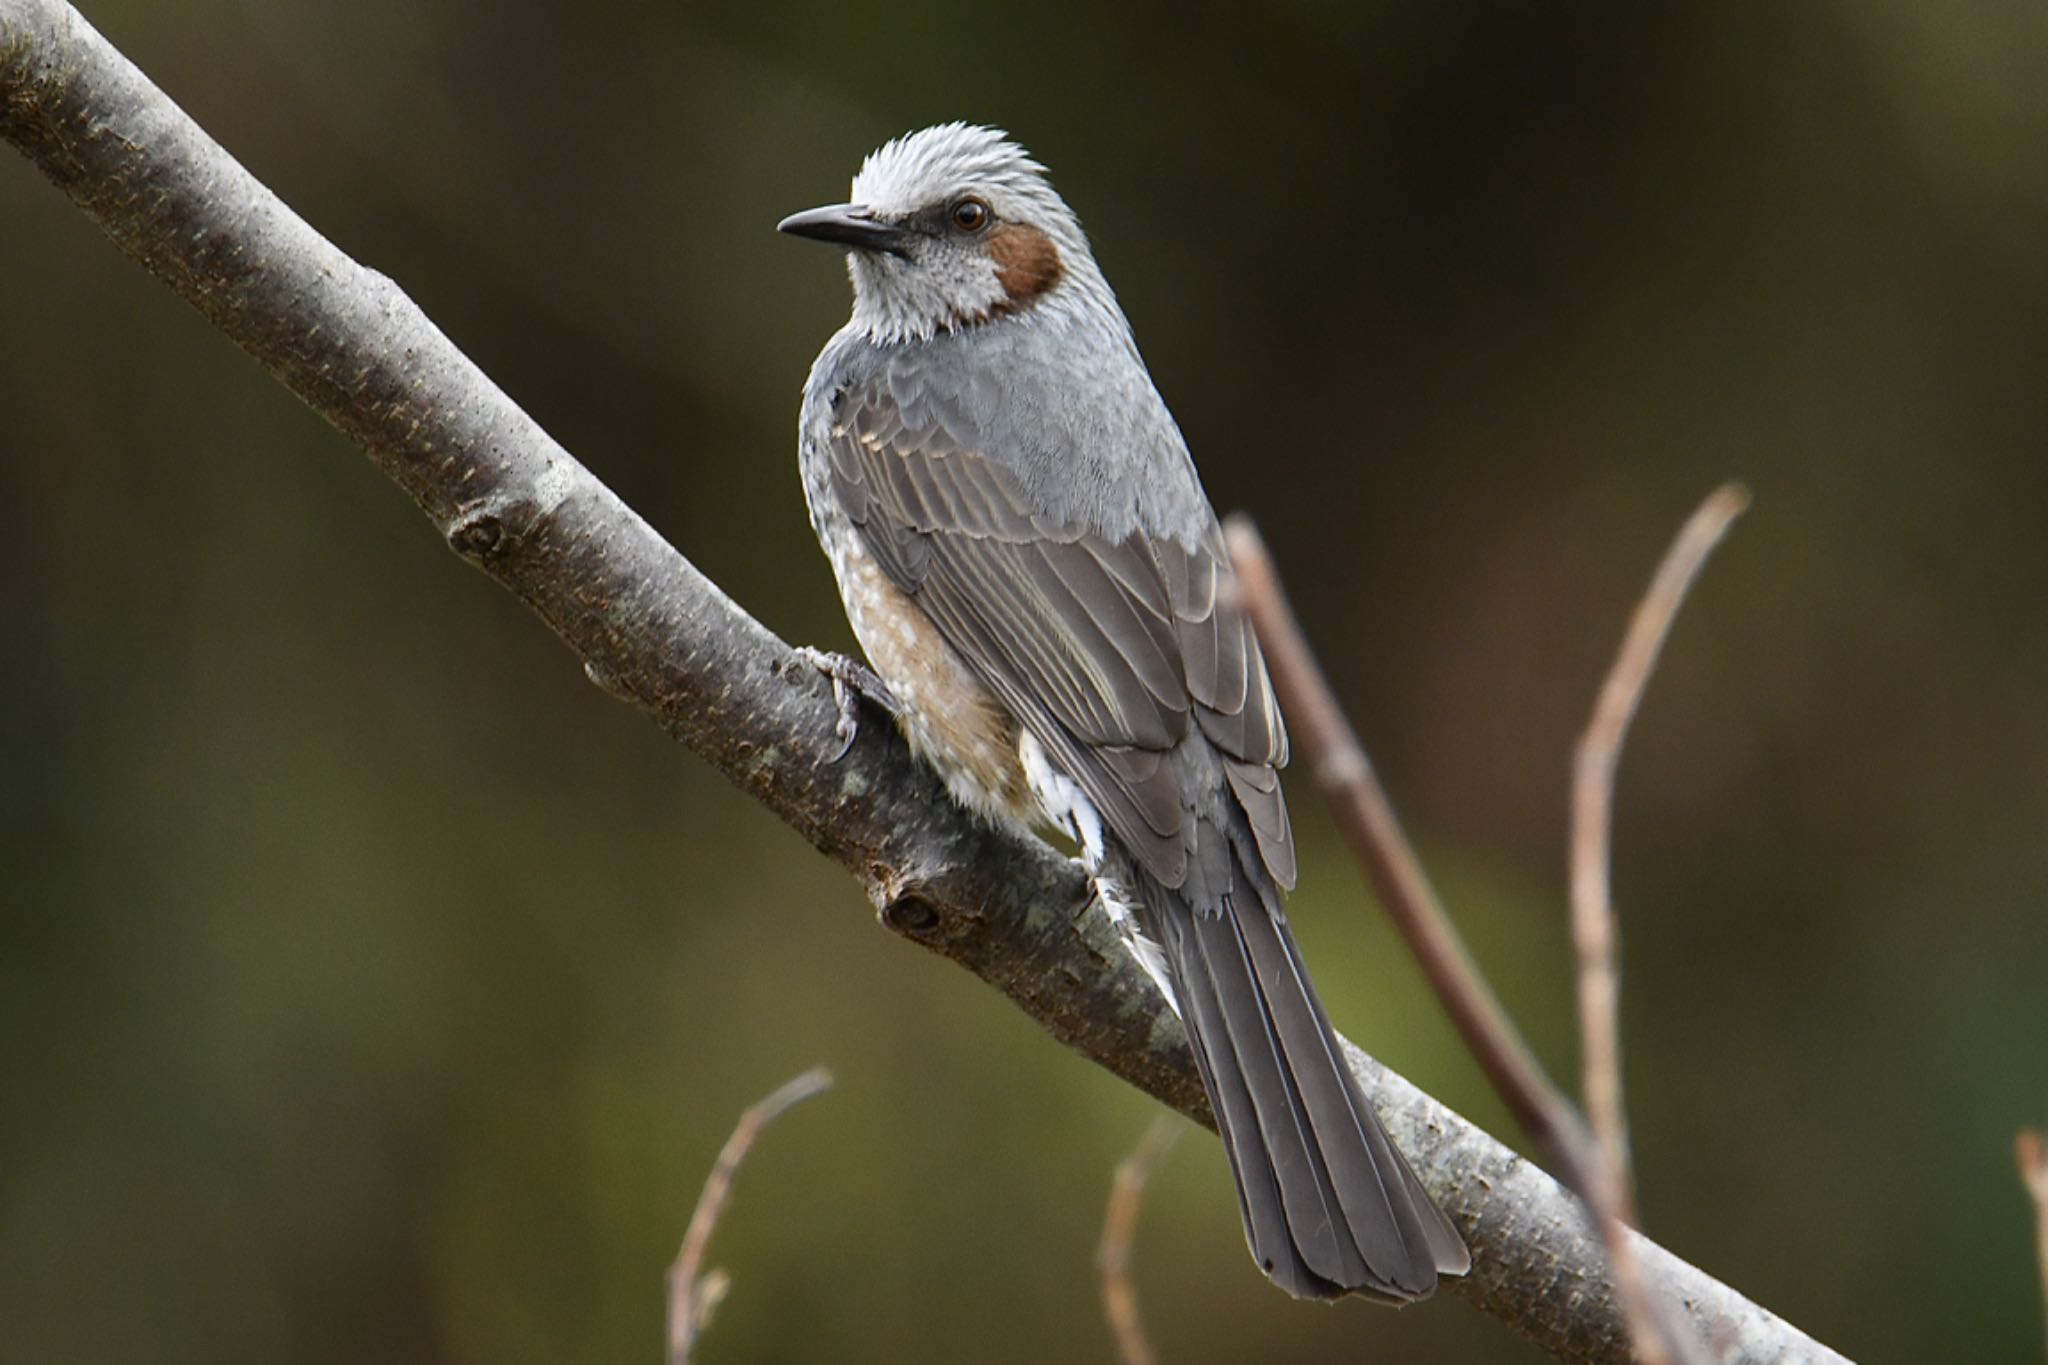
(852,680)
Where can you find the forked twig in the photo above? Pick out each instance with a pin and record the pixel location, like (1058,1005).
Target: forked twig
(1594,932)
(1119,1228)
(692,1293)
(2032,1150)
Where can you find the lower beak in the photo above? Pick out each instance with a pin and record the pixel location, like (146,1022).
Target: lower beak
(853,225)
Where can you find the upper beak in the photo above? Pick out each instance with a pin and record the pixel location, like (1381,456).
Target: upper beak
(852,225)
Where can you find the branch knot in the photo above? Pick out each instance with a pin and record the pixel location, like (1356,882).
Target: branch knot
(484,530)
(903,900)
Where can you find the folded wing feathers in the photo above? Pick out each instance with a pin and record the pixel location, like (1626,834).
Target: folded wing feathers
(1108,651)
(1257,788)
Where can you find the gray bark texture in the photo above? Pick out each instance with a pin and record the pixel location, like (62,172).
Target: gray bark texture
(653,630)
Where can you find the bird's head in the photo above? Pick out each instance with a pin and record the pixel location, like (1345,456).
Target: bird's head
(952,227)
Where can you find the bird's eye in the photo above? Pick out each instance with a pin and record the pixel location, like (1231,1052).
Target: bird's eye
(970,215)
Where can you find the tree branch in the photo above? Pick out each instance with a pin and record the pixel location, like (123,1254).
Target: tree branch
(652,629)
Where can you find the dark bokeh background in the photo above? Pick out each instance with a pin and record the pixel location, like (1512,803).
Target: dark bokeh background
(371,987)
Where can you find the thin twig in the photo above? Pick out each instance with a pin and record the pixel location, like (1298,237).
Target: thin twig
(1119,1227)
(1594,933)
(2032,1150)
(1365,816)
(694,1294)
(1599,754)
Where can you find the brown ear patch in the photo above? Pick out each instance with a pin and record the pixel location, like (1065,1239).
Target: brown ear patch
(1027,263)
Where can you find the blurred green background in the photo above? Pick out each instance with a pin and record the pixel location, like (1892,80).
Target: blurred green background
(372,987)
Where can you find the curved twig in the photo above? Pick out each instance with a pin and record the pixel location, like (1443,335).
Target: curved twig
(694,1293)
(1594,932)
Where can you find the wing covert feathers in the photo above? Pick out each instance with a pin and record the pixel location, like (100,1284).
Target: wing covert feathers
(1115,655)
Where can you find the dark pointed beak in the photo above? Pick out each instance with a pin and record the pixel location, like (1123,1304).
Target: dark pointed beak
(853,225)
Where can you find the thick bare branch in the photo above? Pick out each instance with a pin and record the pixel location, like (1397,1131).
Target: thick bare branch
(653,630)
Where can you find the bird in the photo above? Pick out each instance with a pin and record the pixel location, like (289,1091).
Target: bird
(1041,588)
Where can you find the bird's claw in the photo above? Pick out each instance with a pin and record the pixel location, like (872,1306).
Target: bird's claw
(1096,896)
(851,681)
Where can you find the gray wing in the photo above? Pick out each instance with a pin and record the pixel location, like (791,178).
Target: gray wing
(1112,654)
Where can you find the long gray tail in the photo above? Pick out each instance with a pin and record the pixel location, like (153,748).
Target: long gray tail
(1330,1206)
